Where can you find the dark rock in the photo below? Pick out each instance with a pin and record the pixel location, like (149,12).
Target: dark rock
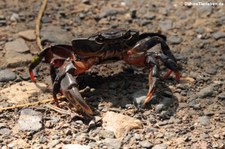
(133,13)
(2,20)
(221,20)
(211,70)
(218,35)
(86,1)
(30,120)
(160,146)
(221,96)
(200,30)
(146,144)
(204,120)
(7,75)
(175,39)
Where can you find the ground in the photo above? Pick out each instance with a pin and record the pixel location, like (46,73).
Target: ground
(188,114)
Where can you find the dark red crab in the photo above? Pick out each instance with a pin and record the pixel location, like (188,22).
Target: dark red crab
(67,62)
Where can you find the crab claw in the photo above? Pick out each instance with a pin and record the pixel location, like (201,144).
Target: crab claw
(69,88)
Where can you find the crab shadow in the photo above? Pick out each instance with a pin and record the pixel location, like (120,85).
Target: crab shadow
(120,90)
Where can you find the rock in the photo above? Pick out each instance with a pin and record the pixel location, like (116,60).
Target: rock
(7,75)
(53,143)
(204,120)
(221,96)
(207,91)
(146,144)
(110,12)
(112,143)
(86,1)
(15,17)
(159,107)
(218,35)
(27,35)
(166,25)
(2,20)
(5,131)
(17,45)
(120,124)
(160,146)
(175,39)
(76,146)
(18,143)
(56,35)
(139,97)
(18,50)
(21,92)
(30,120)
(46,19)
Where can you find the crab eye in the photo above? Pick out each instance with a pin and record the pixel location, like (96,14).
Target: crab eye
(99,39)
(127,35)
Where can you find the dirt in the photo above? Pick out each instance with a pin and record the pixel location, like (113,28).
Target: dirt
(188,114)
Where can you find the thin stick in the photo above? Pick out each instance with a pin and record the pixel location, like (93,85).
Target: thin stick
(38,22)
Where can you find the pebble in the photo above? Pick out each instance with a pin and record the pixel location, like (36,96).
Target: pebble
(159,107)
(2,20)
(112,143)
(15,17)
(76,146)
(221,96)
(27,35)
(5,131)
(7,75)
(46,19)
(166,25)
(17,45)
(204,120)
(139,97)
(109,12)
(120,124)
(159,146)
(30,120)
(175,39)
(207,91)
(146,144)
(218,35)
(86,1)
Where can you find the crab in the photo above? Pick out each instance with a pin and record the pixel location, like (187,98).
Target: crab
(69,61)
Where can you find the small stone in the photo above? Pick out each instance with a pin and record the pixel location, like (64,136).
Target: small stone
(53,143)
(175,39)
(7,75)
(204,120)
(86,1)
(159,108)
(139,97)
(5,131)
(146,144)
(76,146)
(46,19)
(160,146)
(112,143)
(221,96)
(218,35)
(27,35)
(15,17)
(110,12)
(207,91)
(133,13)
(30,120)
(120,124)
(2,20)
(166,25)
(17,45)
